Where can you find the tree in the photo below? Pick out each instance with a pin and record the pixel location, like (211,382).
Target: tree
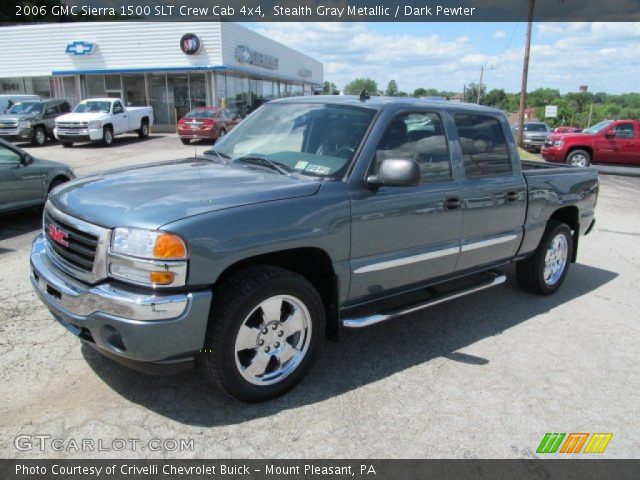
(496,98)
(471,93)
(392,89)
(356,87)
(329,88)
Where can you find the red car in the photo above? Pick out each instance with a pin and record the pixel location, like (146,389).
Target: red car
(606,142)
(567,129)
(206,123)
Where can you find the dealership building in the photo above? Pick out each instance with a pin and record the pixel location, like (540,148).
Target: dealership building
(173,67)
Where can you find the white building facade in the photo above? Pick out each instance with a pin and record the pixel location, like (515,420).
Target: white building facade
(171,66)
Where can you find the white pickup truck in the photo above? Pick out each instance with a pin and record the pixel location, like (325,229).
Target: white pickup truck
(100,119)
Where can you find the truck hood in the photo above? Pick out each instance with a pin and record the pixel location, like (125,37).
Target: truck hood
(149,196)
(12,117)
(82,117)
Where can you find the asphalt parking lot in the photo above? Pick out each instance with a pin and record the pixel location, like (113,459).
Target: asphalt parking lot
(484,377)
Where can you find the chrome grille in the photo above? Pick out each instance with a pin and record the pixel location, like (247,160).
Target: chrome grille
(76,246)
(8,128)
(73,125)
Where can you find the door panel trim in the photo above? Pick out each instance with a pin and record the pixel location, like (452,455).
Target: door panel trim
(374,267)
(488,243)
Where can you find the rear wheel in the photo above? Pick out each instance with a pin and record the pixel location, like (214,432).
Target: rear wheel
(143,131)
(185,141)
(39,136)
(579,158)
(263,333)
(544,271)
(107,136)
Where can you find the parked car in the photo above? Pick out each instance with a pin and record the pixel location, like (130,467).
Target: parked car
(32,121)
(206,123)
(100,119)
(7,101)
(534,135)
(606,142)
(567,129)
(26,181)
(312,215)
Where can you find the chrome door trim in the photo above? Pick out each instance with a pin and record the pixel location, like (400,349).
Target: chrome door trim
(488,243)
(398,262)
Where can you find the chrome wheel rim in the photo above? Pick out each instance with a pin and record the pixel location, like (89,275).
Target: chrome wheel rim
(40,137)
(579,160)
(555,260)
(107,136)
(145,129)
(273,340)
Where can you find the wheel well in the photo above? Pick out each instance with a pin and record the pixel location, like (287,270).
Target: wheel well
(571,217)
(144,120)
(586,149)
(62,178)
(312,263)
(107,125)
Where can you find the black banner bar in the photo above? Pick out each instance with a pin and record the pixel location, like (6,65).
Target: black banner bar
(29,11)
(317,469)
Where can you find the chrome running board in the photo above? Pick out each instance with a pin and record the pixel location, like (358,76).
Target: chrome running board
(360,322)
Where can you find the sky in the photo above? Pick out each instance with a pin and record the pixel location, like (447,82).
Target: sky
(447,56)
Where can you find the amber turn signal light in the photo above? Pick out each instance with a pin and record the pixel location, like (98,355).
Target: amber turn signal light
(169,246)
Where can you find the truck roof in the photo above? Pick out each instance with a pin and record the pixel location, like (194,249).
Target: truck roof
(378,103)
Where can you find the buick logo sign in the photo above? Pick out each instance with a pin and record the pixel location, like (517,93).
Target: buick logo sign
(190,43)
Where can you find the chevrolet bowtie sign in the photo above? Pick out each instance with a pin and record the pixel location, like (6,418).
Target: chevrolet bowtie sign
(80,48)
(255,58)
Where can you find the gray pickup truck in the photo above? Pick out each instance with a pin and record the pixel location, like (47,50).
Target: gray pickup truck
(32,120)
(313,215)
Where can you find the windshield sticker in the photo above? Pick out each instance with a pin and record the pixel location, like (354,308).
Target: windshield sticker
(322,170)
(301,165)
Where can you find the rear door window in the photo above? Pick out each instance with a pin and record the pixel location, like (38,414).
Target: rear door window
(484,147)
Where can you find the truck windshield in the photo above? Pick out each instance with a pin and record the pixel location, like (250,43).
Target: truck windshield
(306,139)
(535,127)
(598,127)
(93,106)
(21,108)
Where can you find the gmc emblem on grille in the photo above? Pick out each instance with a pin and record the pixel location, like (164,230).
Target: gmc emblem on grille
(58,236)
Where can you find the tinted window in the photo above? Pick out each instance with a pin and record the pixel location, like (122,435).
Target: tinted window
(51,109)
(484,146)
(201,113)
(8,156)
(624,130)
(419,137)
(64,107)
(535,127)
(117,107)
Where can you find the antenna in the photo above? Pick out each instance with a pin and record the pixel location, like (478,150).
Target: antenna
(364,96)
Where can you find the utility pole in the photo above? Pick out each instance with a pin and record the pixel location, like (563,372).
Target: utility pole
(525,72)
(590,114)
(480,84)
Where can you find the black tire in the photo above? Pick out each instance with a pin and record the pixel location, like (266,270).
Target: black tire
(236,298)
(66,144)
(531,271)
(107,136)
(185,141)
(580,158)
(143,131)
(39,137)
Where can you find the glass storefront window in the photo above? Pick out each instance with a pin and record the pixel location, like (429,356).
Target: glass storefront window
(11,85)
(94,86)
(158,98)
(134,93)
(198,90)
(178,99)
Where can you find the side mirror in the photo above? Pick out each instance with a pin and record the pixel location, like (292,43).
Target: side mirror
(27,159)
(396,172)
(610,135)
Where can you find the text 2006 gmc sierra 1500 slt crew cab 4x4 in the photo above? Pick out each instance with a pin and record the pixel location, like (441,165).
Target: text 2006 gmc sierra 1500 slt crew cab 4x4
(312,215)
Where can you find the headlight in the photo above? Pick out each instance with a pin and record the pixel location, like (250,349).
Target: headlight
(148,257)
(150,244)
(25,124)
(95,124)
(558,143)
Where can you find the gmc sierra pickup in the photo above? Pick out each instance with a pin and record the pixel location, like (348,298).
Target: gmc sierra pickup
(314,214)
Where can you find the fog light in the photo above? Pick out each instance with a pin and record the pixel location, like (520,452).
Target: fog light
(162,278)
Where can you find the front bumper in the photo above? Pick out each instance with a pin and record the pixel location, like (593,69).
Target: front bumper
(530,144)
(552,154)
(21,134)
(146,330)
(78,135)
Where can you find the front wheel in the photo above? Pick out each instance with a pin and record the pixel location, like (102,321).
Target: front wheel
(39,136)
(544,271)
(185,141)
(263,333)
(579,158)
(107,136)
(143,131)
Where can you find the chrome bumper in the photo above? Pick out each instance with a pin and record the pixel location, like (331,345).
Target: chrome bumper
(150,326)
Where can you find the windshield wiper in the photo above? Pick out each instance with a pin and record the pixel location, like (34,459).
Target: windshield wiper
(263,161)
(221,155)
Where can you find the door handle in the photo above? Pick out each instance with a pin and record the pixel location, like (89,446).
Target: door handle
(511,196)
(452,203)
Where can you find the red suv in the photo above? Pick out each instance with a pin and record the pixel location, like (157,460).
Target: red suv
(606,142)
(206,123)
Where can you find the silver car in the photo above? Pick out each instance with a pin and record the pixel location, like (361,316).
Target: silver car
(534,135)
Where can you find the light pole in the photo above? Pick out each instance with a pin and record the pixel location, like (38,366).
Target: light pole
(489,67)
